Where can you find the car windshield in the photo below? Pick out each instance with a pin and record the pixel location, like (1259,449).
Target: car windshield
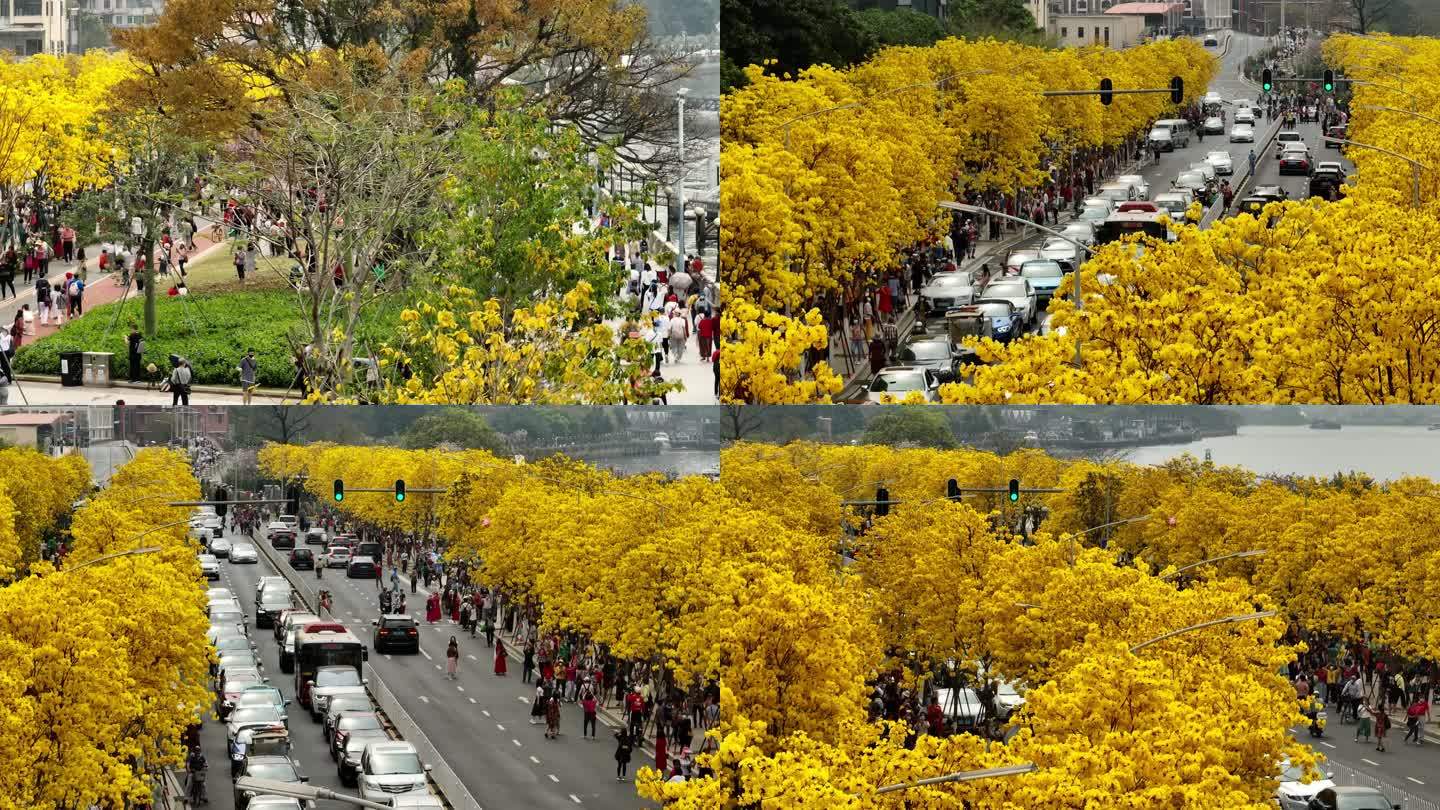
(926,350)
(279,771)
(1186,178)
(355,745)
(348,704)
(233,643)
(1095,212)
(1361,801)
(397,762)
(226,617)
(399,624)
(359,721)
(1006,289)
(1046,269)
(1056,243)
(268,696)
(950,281)
(898,381)
(206,558)
(255,714)
(337,677)
(300,553)
(1220,156)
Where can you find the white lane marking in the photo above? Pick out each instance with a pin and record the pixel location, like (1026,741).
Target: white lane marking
(1413,779)
(534,759)
(472,700)
(461,688)
(1327,745)
(517,742)
(574,798)
(426,654)
(1369,762)
(424,699)
(472,658)
(387,657)
(485,712)
(553,778)
(497,725)
(523,699)
(437,666)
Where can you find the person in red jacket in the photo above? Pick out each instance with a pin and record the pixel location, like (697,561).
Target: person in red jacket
(705,329)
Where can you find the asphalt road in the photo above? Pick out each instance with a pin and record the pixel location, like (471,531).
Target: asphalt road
(1402,769)
(480,722)
(308,745)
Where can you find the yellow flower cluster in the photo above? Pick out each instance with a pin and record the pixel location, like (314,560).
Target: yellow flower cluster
(826,176)
(103,666)
(1104,723)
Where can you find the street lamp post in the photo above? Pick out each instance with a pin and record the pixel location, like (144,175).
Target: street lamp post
(1415,166)
(1235,556)
(680,183)
(1244,617)
(961,776)
(301,790)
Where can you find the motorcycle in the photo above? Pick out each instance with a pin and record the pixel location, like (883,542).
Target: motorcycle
(1317,719)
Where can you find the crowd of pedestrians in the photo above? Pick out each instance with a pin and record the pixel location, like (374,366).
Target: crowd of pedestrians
(1366,685)
(568,672)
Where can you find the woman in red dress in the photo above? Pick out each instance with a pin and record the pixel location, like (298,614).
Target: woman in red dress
(432,608)
(499,657)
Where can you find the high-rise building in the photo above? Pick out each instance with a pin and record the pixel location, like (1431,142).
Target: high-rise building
(30,27)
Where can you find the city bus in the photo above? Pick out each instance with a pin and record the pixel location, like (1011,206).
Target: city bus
(1117,226)
(323,644)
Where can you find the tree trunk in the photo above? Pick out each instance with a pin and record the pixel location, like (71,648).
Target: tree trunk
(147,249)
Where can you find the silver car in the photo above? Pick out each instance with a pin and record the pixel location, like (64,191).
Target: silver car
(1292,794)
(1137,182)
(1062,251)
(947,290)
(1221,162)
(220,546)
(1082,232)
(1095,210)
(926,351)
(1017,291)
(1242,133)
(900,381)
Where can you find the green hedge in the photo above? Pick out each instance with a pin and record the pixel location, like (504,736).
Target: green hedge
(211,331)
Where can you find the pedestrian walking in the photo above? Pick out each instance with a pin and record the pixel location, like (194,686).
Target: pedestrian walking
(7,272)
(135,343)
(1415,716)
(67,243)
(180,383)
(500,657)
(42,298)
(622,754)
(552,717)
(527,667)
(452,658)
(679,333)
(75,296)
(247,369)
(1382,725)
(537,705)
(587,705)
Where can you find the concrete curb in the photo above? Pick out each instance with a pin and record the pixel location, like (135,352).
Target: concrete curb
(442,777)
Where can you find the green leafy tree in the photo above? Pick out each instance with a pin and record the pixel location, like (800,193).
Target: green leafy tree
(1001,19)
(794,33)
(923,427)
(900,27)
(460,427)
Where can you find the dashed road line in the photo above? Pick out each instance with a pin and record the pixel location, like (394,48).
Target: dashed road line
(1413,779)
(472,658)
(497,725)
(534,759)
(461,688)
(522,699)
(426,654)
(553,778)
(1369,762)
(484,712)
(424,699)
(574,798)
(1327,745)
(517,742)
(472,700)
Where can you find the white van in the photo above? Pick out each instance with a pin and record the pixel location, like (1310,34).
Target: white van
(1160,138)
(1179,131)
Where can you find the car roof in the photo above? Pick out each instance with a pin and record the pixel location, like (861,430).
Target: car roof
(391,747)
(362,559)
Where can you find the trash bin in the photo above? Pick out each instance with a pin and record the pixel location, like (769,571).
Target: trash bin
(72,369)
(97,368)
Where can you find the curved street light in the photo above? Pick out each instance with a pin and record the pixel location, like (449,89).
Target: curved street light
(1244,617)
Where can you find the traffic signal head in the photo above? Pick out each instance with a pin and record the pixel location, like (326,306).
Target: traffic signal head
(1014,490)
(221,495)
(1105,95)
(882,505)
(339,490)
(1329,84)
(1177,90)
(293,496)
(399,490)
(1267,81)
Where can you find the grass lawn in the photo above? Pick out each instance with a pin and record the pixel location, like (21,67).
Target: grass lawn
(212,329)
(216,272)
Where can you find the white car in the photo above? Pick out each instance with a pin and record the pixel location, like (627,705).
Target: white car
(1205,168)
(338,557)
(1095,211)
(947,290)
(1292,794)
(1059,250)
(1116,193)
(218,594)
(1137,182)
(899,381)
(1044,275)
(1221,162)
(1242,133)
(1213,97)
(1286,139)
(1191,179)
(1017,258)
(243,553)
(1174,202)
(1083,232)
(1019,292)
(1213,125)
(220,546)
(1244,115)
(1330,165)
(209,566)
(388,768)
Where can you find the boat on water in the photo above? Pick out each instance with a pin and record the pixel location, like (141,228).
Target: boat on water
(1324,424)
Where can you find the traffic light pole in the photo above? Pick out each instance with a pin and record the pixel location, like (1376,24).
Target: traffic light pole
(348,490)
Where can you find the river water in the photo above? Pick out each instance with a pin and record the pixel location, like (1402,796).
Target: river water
(1382,452)
(676,462)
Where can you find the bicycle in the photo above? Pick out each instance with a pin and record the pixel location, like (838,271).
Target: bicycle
(196,789)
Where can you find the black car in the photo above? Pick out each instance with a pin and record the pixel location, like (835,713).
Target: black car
(278,768)
(368,549)
(396,631)
(1351,798)
(283,540)
(362,568)
(302,559)
(1327,184)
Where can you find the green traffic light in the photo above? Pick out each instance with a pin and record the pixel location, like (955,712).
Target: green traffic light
(339,496)
(399,496)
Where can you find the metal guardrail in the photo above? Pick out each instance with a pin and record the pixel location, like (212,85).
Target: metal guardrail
(1345,775)
(452,791)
